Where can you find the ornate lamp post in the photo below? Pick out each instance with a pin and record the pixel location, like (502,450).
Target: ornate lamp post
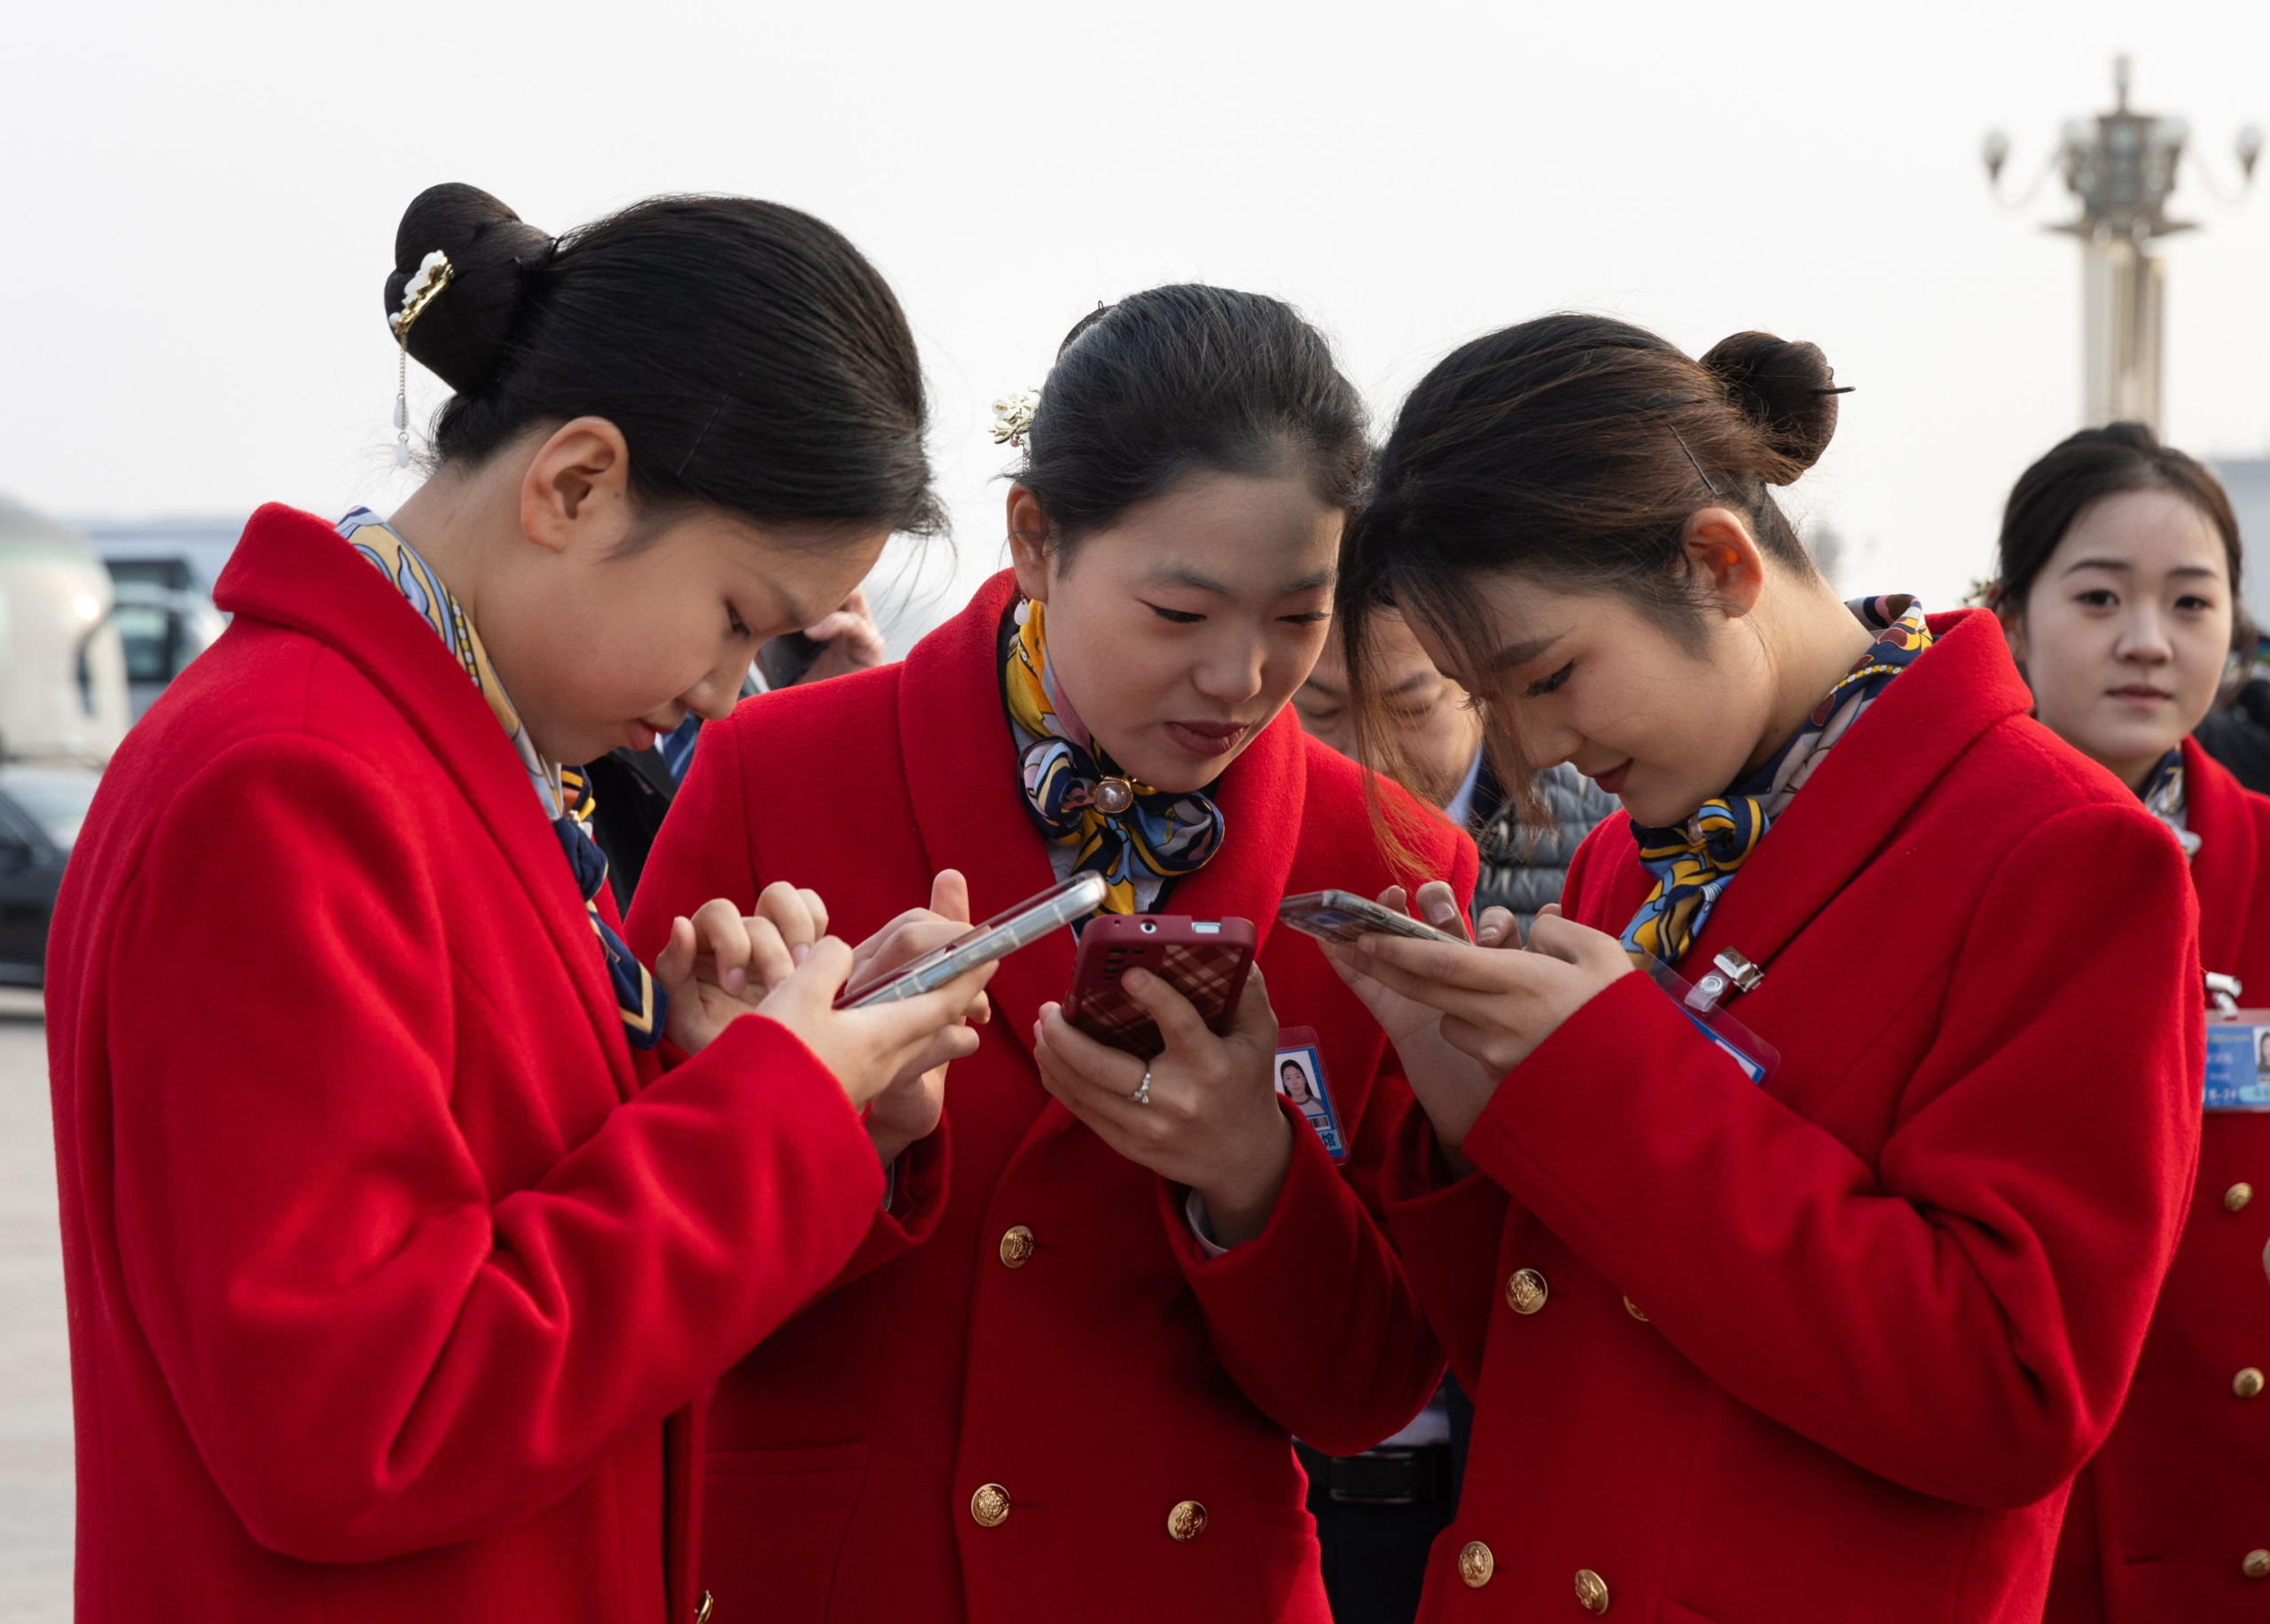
(2122,168)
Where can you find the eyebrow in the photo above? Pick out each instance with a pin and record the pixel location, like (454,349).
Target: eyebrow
(1522,653)
(2120,566)
(1192,579)
(1417,679)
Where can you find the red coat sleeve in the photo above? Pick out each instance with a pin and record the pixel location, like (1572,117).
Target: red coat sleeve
(705,851)
(374,1352)
(1964,1318)
(1322,1275)
(1448,1236)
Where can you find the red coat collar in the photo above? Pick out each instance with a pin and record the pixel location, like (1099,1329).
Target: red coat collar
(2223,813)
(1963,684)
(961,771)
(294,570)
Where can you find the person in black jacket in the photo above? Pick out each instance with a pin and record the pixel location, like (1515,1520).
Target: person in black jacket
(2237,732)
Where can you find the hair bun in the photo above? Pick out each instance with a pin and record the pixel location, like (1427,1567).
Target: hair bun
(1784,386)
(461,336)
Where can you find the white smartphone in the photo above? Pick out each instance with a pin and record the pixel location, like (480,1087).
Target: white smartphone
(998,937)
(1342,915)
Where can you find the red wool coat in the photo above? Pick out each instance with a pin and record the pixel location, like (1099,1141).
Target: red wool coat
(384,1272)
(1035,1314)
(1831,1348)
(2164,1519)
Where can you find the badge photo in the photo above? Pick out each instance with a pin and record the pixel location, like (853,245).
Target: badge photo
(1300,1078)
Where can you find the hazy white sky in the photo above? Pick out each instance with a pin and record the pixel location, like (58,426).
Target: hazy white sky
(202,201)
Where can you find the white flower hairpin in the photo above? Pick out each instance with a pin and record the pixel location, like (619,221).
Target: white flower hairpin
(433,274)
(1013,416)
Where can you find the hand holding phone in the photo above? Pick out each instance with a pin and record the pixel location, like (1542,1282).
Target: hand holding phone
(1345,918)
(999,936)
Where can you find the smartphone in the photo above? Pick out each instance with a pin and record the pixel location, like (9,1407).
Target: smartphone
(1205,960)
(998,937)
(1342,915)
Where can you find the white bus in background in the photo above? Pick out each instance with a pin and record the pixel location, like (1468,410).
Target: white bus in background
(62,666)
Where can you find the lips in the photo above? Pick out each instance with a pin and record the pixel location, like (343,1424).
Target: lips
(1207,739)
(2141,693)
(1612,782)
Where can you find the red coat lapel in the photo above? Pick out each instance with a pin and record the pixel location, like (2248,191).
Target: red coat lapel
(961,771)
(294,570)
(2224,870)
(1936,709)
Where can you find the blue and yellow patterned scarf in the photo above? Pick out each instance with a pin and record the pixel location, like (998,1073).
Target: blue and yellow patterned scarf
(1069,781)
(567,801)
(1696,862)
(2163,799)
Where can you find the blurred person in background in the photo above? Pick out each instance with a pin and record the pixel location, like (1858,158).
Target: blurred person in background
(2118,584)
(1067,1383)
(1793,1207)
(397,1264)
(1378,1513)
(2236,733)
(629,791)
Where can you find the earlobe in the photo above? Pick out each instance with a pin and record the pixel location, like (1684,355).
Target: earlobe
(1029,543)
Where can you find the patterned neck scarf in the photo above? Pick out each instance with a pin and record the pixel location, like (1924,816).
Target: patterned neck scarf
(1696,862)
(566,800)
(1121,829)
(2163,799)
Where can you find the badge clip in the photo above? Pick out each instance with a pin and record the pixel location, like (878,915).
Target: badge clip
(2223,990)
(1733,974)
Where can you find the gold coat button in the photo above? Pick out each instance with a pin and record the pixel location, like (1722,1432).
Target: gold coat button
(1526,1291)
(2248,1383)
(701,1613)
(2237,1196)
(989,1507)
(2257,1564)
(1016,1246)
(1592,1591)
(1186,1521)
(1635,1311)
(1475,1564)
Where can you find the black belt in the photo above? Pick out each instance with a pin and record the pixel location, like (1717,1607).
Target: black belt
(1414,1476)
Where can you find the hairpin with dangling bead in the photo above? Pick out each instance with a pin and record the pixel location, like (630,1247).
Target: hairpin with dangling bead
(433,274)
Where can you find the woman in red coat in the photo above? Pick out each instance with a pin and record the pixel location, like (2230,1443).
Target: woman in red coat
(388,1257)
(2118,587)
(1794,1209)
(1065,1383)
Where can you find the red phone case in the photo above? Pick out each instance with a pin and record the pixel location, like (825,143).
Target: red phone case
(1208,967)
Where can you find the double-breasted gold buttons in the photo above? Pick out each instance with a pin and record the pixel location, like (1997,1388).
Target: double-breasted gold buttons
(2237,1196)
(1635,1311)
(989,1507)
(1475,1564)
(1186,1521)
(2257,1564)
(1016,1246)
(2248,1383)
(1592,1591)
(1526,1291)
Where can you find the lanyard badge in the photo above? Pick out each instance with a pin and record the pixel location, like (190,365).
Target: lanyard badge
(1703,1002)
(1300,1078)
(2238,1051)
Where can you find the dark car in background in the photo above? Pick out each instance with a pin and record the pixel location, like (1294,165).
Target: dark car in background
(41,810)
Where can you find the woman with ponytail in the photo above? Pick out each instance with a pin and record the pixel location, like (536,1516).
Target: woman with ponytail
(1794,1206)
(1066,1383)
(395,1259)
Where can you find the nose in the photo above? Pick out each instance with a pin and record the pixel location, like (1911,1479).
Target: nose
(714,697)
(1540,742)
(2143,636)
(1230,671)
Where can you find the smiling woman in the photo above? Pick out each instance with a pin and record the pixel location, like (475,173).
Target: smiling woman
(1065,1351)
(1794,1209)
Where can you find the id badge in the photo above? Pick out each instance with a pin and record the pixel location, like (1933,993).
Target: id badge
(1756,1057)
(2238,1060)
(1301,1079)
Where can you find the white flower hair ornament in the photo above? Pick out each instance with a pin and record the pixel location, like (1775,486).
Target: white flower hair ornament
(433,274)
(1013,416)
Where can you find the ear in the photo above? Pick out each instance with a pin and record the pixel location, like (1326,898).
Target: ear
(2013,631)
(1724,558)
(577,492)
(1029,543)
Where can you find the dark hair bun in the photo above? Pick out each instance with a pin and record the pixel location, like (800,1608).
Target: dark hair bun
(462,334)
(1787,389)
